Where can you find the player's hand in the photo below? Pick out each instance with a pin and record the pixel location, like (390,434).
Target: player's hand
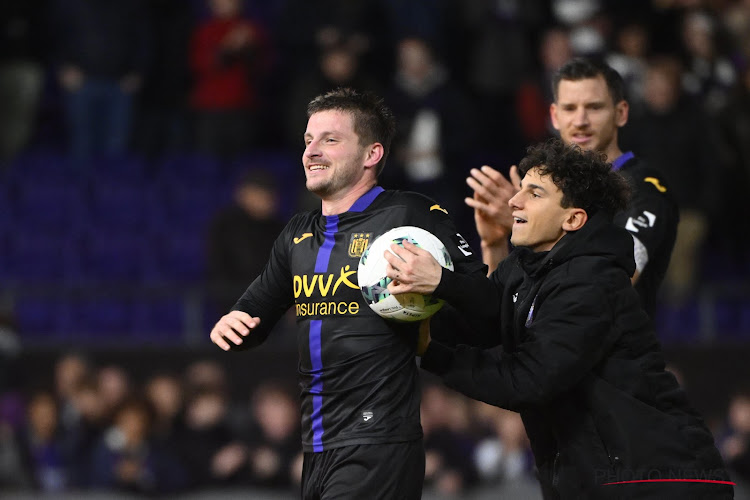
(412,269)
(233,327)
(424,339)
(492,215)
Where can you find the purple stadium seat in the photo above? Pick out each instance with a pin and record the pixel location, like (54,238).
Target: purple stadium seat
(190,170)
(124,206)
(109,256)
(677,323)
(42,258)
(40,317)
(49,206)
(158,318)
(42,165)
(99,317)
(181,256)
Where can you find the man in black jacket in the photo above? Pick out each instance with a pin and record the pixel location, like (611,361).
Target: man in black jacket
(579,359)
(588,110)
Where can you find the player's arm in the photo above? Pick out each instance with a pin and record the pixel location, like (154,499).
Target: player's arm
(492,215)
(232,329)
(561,348)
(651,218)
(261,306)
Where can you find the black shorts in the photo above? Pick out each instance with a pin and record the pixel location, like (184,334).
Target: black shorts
(388,471)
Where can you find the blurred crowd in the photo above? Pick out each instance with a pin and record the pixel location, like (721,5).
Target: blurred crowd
(467,80)
(93,427)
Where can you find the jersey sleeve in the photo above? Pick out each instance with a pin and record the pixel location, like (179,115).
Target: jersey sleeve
(651,215)
(462,287)
(271,294)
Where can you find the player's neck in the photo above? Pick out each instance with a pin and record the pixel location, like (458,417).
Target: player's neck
(613,152)
(341,202)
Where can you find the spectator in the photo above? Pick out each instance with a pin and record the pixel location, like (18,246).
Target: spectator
(274,444)
(241,236)
(204,374)
(71,370)
(629,59)
(127,459)
(338,66)
(307,28)
(83,430)
(165,394)
(43,447)
(495,72)
(733,120)
(505,456)
(668,123)
(709,74)
(228,52)
(449,468)
(161,110)
(535,92)
(735,443)
(209,451)
(102,51)
(21,72)
(114,387)
(434,131)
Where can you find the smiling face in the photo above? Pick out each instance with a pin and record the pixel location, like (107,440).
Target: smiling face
(335,162)
(539,221)
(586,115)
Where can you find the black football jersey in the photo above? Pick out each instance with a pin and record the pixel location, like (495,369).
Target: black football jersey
(358,375)
(651,217)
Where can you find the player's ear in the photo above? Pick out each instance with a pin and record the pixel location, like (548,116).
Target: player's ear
(622,109)
(375,152)
(575,220)
(553,116)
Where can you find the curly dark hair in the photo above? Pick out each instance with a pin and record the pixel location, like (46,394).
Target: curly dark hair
(586,180)
(373,120)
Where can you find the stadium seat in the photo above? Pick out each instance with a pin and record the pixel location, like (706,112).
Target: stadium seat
(158,318)
(181,256)
(110,256)
(98,317)
(40,317)
(42,258)
(123,206)
(49,206)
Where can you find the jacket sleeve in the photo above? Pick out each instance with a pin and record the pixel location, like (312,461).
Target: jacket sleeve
(469,317)
(270,294)
(570,331)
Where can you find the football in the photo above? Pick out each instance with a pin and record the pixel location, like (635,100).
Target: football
(374,283)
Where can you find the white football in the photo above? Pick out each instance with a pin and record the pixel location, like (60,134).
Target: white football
(374,283)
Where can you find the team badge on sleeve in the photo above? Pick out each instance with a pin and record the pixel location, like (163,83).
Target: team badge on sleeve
(358,243)
(463,245)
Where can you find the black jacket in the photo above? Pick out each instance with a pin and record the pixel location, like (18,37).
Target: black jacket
(582,365)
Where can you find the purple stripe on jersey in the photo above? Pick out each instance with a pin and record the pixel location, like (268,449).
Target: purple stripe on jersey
(324,254)
(622,160)
(364,201)
(317,384)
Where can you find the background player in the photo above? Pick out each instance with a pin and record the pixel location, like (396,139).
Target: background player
(588,109)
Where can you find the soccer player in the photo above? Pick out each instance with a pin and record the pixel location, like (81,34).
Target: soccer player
(361,432)
(579,358)
(588,110)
